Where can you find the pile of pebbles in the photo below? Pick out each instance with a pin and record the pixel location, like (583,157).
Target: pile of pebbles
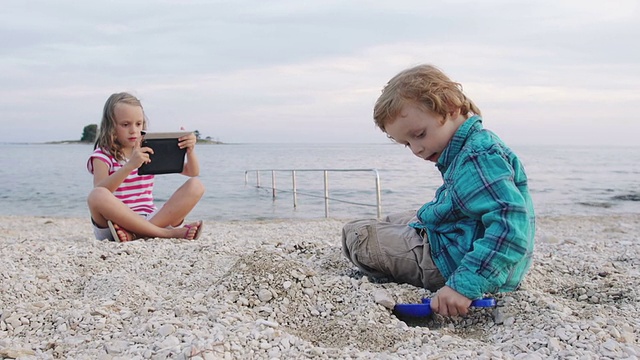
(282,289)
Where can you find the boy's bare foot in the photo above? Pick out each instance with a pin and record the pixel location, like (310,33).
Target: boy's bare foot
(119,234)
(193,230)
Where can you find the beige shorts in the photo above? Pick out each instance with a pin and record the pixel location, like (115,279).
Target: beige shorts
(391,249)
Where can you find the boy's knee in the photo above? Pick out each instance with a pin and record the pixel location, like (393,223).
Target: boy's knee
(347,239)
(353,234)
(356,236)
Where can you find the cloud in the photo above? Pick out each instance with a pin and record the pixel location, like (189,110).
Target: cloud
(310,71)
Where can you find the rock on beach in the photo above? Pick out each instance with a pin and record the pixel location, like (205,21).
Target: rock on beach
(283,290)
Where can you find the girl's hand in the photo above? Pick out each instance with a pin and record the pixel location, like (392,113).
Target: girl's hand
(140,155)
(187,142)
(448,302)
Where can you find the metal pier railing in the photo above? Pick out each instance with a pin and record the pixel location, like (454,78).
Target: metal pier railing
(326,197)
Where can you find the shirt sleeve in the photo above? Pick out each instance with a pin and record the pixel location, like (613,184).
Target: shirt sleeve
(98,155)
(485,191)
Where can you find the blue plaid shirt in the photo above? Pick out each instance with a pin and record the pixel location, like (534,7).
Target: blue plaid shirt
(481,223)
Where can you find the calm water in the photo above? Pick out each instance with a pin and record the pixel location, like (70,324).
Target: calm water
(52,180)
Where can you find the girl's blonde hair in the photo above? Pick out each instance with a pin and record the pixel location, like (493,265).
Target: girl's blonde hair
(107,139)
(425,86)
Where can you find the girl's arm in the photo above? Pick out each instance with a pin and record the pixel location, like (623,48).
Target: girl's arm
(192,166)
(101,177)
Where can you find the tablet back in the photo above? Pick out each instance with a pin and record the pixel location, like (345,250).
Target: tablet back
(167,157)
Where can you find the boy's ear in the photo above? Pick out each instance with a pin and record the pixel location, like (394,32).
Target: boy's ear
(455,113)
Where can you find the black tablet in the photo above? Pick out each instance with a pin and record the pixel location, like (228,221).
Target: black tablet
(167,157)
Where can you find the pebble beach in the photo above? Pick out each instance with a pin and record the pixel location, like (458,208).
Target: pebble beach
(282,289)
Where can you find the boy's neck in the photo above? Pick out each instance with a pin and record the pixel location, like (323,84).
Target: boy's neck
(460,120)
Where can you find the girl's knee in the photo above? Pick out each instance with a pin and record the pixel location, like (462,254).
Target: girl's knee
(195,186)
(97,196)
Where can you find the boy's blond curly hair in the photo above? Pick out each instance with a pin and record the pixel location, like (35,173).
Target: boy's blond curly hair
(425,86)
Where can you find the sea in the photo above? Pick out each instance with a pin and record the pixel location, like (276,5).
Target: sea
(314,181)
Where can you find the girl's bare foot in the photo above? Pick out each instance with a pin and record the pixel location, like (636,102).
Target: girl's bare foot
(193,230)
(119,234)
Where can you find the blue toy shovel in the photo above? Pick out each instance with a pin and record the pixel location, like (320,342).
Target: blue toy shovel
(424,309)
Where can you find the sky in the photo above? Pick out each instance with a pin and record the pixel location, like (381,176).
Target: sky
(549,72)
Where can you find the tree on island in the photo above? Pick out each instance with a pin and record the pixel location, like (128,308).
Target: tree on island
(89,133)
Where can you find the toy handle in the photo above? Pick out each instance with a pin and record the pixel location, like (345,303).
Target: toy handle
(484,302)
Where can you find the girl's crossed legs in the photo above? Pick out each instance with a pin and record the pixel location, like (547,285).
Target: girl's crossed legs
(104,207)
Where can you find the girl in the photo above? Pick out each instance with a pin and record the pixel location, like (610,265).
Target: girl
(121,202)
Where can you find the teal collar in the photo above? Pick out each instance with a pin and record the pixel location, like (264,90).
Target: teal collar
(469,127)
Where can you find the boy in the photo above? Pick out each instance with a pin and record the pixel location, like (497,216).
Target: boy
(476,236)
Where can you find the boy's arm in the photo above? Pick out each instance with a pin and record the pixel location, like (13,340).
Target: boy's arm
(448,302)
(488,193)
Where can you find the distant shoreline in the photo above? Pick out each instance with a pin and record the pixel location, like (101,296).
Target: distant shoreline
(206,142)
(64,142)
(203,142)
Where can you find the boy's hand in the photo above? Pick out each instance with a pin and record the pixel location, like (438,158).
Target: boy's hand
(448,302)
